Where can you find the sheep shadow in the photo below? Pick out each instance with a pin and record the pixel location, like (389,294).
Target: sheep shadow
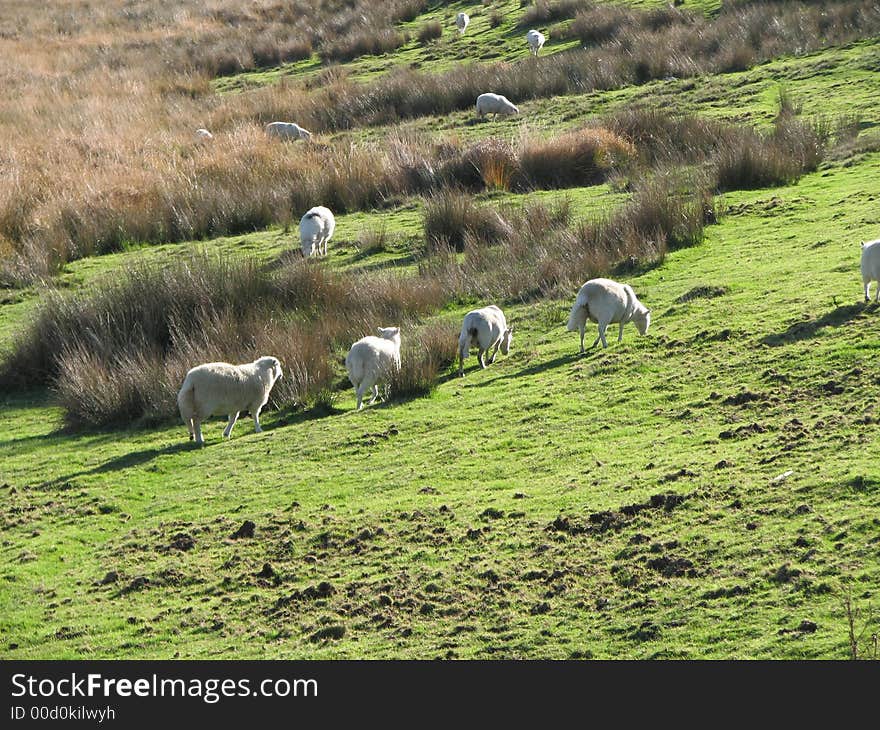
(124,461)
(531,370)
(805,330)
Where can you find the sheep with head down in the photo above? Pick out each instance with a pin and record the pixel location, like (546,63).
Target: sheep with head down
(496,104)
(871,267)
(218,387)
(462,20)
(287,131)
(536,40)
(484,329)
(315,230)
(606,302)
(373,360)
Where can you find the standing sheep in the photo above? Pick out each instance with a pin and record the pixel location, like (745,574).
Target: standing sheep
(495,104)
(315,229)
(871,267)
(287,131)
(373,360)
(218,387)
(535,39)
(461,22)
(484,329)
(605,301)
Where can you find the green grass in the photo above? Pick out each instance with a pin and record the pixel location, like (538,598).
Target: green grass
(509,514)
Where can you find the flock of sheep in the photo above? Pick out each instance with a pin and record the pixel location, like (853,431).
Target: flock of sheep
(222,388)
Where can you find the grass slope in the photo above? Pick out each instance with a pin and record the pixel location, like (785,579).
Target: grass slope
(516,512)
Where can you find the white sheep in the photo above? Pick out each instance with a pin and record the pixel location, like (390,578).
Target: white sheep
(218,387)
(484,329)
(373,360)
(461,22)
(315,229)
(871,267)
(202,135)
(287,130)
(605,301)
(535,39)
(495,104)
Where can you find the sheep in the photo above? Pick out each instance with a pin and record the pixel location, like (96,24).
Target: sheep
(871,267)
(373,360)
(605,301)
(535,39)
(461,22)
(484,329)
(495,104)
(218,387)
(315,229)
(287,131)
(202,135)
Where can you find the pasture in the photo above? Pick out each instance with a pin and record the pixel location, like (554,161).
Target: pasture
(707,491)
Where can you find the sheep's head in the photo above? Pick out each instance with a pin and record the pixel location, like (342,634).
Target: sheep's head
(389,333)
(642,319)
(506,340)
(272,365)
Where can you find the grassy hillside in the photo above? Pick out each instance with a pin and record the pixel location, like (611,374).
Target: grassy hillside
(707,491)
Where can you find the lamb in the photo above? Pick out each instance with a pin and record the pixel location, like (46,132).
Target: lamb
(315,229)
(495,104)
(461,22)
(373,360)
(202,135)
(535,39)
(484,329)
(871,267)
(218,387)
(605,301)
(287,131)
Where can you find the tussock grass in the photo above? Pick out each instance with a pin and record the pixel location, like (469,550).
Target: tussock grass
(425,355)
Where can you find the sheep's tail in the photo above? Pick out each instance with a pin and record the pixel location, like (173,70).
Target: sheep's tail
(355,367)
(186,402)
(579,313)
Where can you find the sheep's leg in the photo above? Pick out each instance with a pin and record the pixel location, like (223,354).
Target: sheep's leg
(257,427)
(602,327)
(359,392)
(876,292)
(583,332)
(233,417)
(620,333)
(495,352)
(867,287)
(460,362)
(375,395)
(480,358)
(197,430)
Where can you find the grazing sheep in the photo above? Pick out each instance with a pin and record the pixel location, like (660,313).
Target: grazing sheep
(202,135)
(484,329)
(218,387)
(535,39)
(605,301)
(461,22)
(315,229)
(373,360)
(287,130)
(871,267)
(495,104)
